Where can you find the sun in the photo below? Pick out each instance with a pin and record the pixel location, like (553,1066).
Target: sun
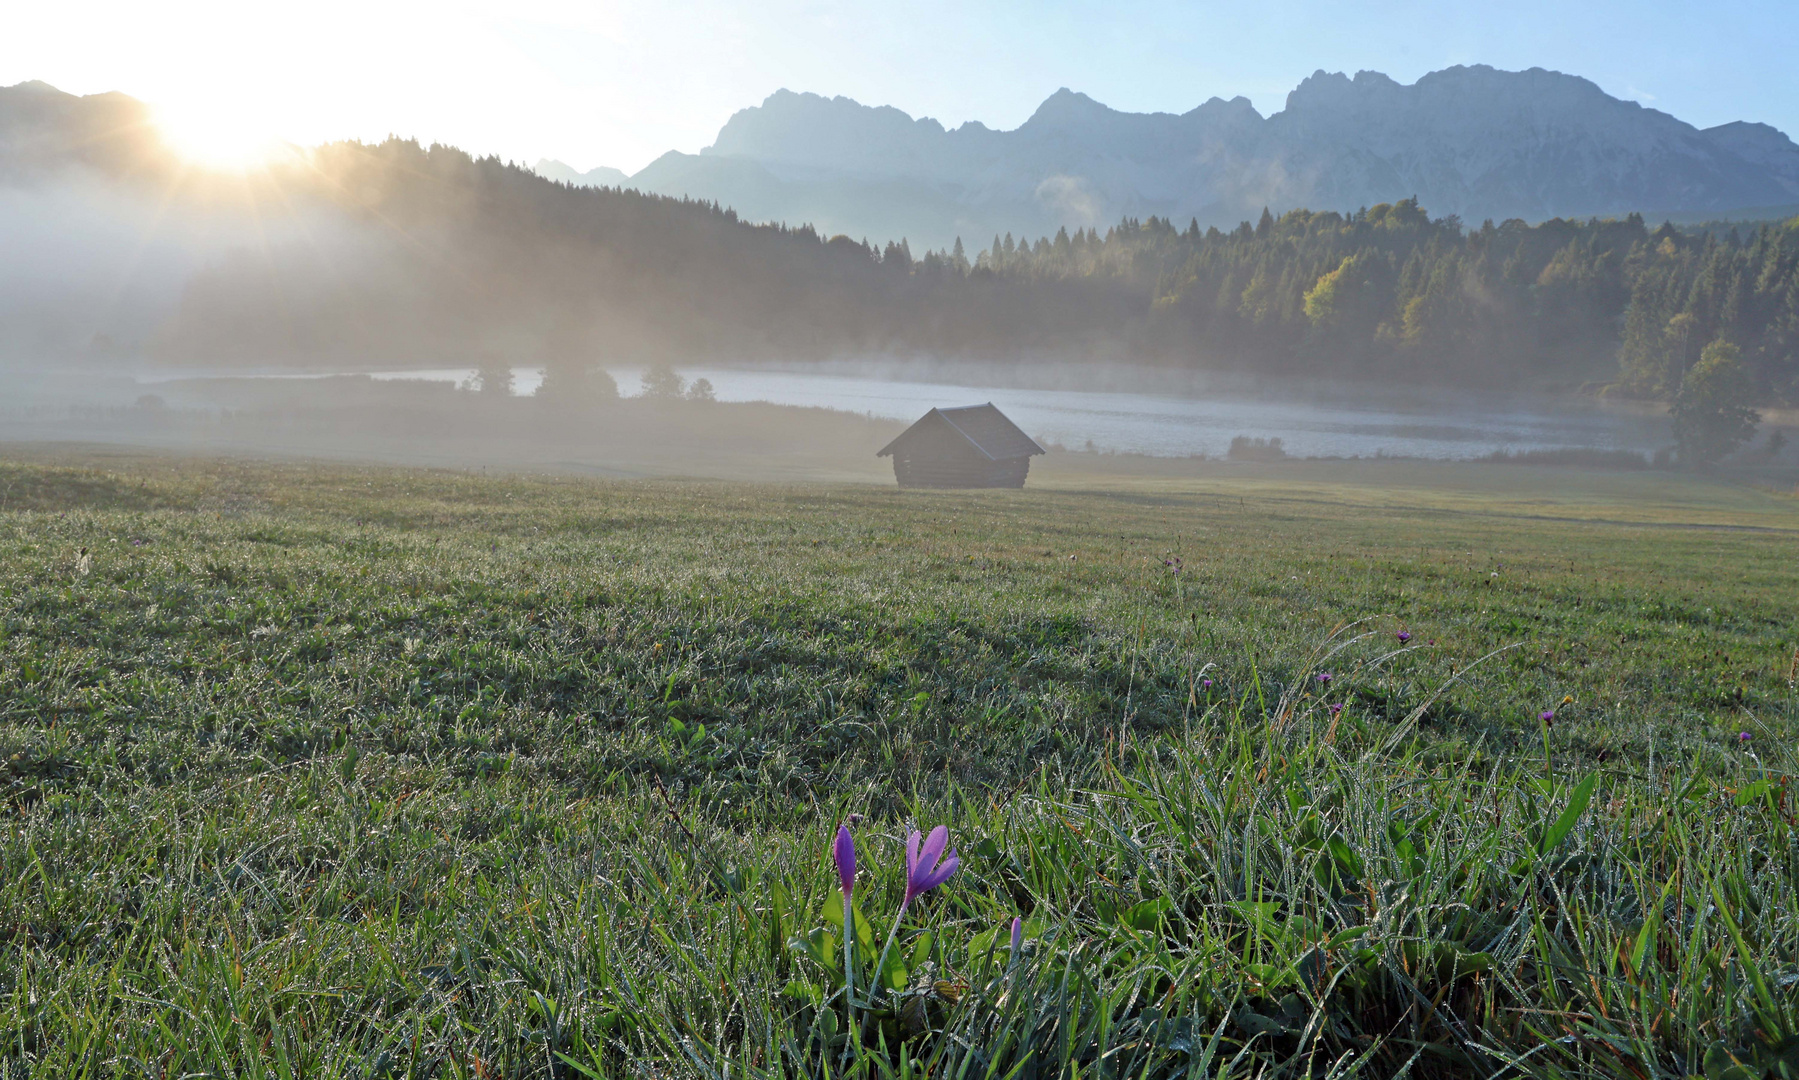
(218,137)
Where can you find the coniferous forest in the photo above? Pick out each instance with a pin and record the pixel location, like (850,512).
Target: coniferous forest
(474,255)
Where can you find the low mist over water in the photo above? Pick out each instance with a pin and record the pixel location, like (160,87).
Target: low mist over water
(1317,420)
(1350,422)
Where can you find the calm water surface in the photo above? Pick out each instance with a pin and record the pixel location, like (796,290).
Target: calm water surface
(1325,422)
(1356,423)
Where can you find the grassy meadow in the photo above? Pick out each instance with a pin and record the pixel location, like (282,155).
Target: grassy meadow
(321,770)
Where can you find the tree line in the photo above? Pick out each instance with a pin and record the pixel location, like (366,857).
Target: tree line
(458,254)
(1390,290)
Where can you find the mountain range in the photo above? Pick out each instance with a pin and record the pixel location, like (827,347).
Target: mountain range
(1474,141)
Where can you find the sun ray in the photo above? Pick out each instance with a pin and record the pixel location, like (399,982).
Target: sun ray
(218,137)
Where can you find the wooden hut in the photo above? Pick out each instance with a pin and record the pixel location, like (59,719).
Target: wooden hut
(970,447)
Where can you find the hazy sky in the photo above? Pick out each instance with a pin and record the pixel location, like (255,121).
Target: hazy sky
(617,82)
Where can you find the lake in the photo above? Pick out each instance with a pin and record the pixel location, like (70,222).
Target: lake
(1319,420)
(1196,415)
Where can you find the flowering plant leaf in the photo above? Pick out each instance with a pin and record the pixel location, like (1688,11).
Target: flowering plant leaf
(921,949)
(820,945)
(893,974)
(1577,805)
(832,911)
(823,945)
(1147,914)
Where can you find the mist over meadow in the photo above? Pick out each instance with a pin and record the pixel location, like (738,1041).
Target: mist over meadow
(355,257)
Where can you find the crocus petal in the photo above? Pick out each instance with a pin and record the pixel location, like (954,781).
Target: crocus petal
(922,872)
(933,846)
(845,852)
(1017,934)
(938,876)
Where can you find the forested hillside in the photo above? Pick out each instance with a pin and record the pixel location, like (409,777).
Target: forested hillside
(352,253)
(484,256)
(1391,290)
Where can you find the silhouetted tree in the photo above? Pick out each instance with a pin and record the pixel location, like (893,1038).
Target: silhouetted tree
(1711,412)
(662,382)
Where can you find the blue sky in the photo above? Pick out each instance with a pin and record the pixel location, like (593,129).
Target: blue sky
(617,83)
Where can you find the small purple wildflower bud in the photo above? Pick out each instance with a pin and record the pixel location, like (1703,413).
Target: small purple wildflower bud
(923,872)
(1547,716)
(1336,710)
(1017,935)
(1404,636)
(845,853)
(1324,678)
(1206,683)
(1743,737)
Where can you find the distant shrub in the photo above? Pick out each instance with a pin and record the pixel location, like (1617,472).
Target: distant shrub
(575,384)
(1246,448)
(664,382)
(1581,456)
(493,375)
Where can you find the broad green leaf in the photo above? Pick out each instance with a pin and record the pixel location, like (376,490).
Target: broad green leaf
(1754,792)
(1337,941)
(921,949)
(1256,912)
(832,912)
(1639,954)
(1345,857)
(1577,805)
(1146,915)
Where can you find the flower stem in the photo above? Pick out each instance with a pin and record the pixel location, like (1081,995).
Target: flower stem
(881,964)
(849,958)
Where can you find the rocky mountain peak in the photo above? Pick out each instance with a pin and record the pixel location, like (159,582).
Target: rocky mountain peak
(1068,109)
(1469,140)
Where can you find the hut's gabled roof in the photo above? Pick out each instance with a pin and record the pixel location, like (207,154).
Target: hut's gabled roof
(985,428)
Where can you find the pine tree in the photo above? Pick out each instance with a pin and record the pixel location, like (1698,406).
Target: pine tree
(1711,411)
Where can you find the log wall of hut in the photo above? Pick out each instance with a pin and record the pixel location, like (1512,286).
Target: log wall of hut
(950,466)
(974,446)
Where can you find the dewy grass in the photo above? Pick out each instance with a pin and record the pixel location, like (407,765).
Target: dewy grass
(357,772)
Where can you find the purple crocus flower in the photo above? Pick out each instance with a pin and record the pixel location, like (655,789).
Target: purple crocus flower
(1206,683)
(923,871)
(1017,935)
(1336,709)
(845,853)
(1547,716)
(1324,677)
(1743,737)
(1404,636)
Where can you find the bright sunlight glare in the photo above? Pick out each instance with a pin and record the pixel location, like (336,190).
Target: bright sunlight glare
(217,138)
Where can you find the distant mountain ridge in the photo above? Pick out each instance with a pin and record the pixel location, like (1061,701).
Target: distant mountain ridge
(1472,141)
(603,176)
